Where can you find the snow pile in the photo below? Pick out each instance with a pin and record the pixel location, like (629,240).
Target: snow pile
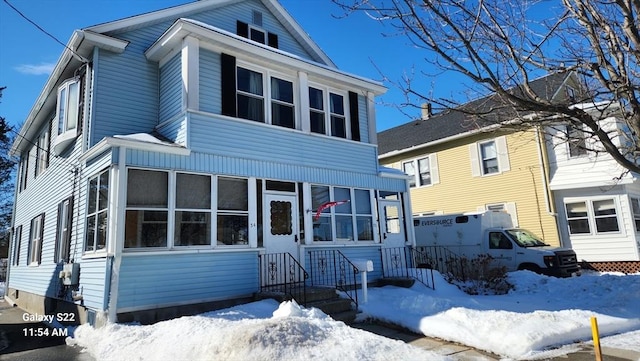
(245,333)
(540,314)
(542,317)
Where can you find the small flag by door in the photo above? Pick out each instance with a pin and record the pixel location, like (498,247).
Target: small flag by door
(326,205)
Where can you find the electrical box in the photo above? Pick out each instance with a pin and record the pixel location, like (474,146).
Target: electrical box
(70,274)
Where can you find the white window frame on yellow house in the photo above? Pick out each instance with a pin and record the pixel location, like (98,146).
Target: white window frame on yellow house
(417,181)
(477,162)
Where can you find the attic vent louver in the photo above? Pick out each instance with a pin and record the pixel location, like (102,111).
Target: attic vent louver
(257,18)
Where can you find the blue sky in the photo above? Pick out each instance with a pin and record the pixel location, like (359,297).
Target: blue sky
(355,43)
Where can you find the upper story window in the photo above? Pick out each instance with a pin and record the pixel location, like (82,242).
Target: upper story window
(253,93)
(255,31)
(24,172)
(576,142)
(68,113)
(489,157)
(250,95)
(252,102)
(422,171)
(42,152)
(333,122)
(635,208)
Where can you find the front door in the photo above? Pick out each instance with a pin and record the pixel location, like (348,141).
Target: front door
(280,224)
(391,224)
(392,235)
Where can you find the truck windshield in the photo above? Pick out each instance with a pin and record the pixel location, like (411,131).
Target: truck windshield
(525,238)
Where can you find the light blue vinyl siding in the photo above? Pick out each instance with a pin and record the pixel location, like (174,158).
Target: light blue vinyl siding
(93,273)
(210,86)
(126,90)
(43,194)
(148,281)
(127,85)
(171,88)
(175,130)
(209,163)
(245,139)
(225,18)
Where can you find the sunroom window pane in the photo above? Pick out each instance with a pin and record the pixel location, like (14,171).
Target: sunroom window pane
(233,194)
(147,188)
(193,191)
(343,194)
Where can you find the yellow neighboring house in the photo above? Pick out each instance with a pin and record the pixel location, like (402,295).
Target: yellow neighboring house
(460,166)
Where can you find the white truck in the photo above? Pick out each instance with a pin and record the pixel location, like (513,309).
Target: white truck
(472,234)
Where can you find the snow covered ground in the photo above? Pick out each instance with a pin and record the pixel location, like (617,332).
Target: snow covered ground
(542,317)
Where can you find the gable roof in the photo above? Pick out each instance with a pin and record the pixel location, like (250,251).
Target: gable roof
(274,6)
(452,124)
(82,42)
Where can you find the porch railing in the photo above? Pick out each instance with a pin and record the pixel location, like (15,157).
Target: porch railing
(407,262)
(443,260)
(282,273)
(333,269)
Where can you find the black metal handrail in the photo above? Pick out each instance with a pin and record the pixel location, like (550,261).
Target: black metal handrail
(282,273)
(444,260)
(407,262)
(333,269)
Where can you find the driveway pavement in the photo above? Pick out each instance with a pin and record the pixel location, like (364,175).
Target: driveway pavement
(22,340)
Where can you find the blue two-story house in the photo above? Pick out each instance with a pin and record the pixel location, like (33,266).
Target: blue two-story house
(170,153)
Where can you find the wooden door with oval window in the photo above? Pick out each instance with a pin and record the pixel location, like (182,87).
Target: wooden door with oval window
(280,222)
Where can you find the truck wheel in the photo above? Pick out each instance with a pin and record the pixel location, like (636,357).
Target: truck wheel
(529,267)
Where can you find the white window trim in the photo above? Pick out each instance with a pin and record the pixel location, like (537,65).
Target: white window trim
(172,209)
(66,136)
(103,251)
(591,218)
(326,91)
(634,216)
(354,217)
(433,170)
(502,155)
(568,140)
(35,240)
(266,91)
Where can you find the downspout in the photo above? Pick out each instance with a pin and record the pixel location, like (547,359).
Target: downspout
(543,173)
(11,255)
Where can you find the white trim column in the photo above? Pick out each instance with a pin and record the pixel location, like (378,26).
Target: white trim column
(190,59)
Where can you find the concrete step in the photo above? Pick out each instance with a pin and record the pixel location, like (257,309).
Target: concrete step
(405,282)
(331,307)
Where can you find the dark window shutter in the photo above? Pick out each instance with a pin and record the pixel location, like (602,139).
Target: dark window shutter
(273,40)
(242,29)
(354,115)
(228,80)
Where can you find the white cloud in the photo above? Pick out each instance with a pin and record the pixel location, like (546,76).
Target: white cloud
(39,69)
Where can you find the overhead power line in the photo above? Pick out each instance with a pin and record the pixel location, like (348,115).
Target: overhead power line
(80,57)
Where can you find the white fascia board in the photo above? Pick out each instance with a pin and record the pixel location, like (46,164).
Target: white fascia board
(141,19)
(235,45)
(82,43)
(113,142)
(596,184)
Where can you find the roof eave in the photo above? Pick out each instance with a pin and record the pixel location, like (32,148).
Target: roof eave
(172,39)
(78,48)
